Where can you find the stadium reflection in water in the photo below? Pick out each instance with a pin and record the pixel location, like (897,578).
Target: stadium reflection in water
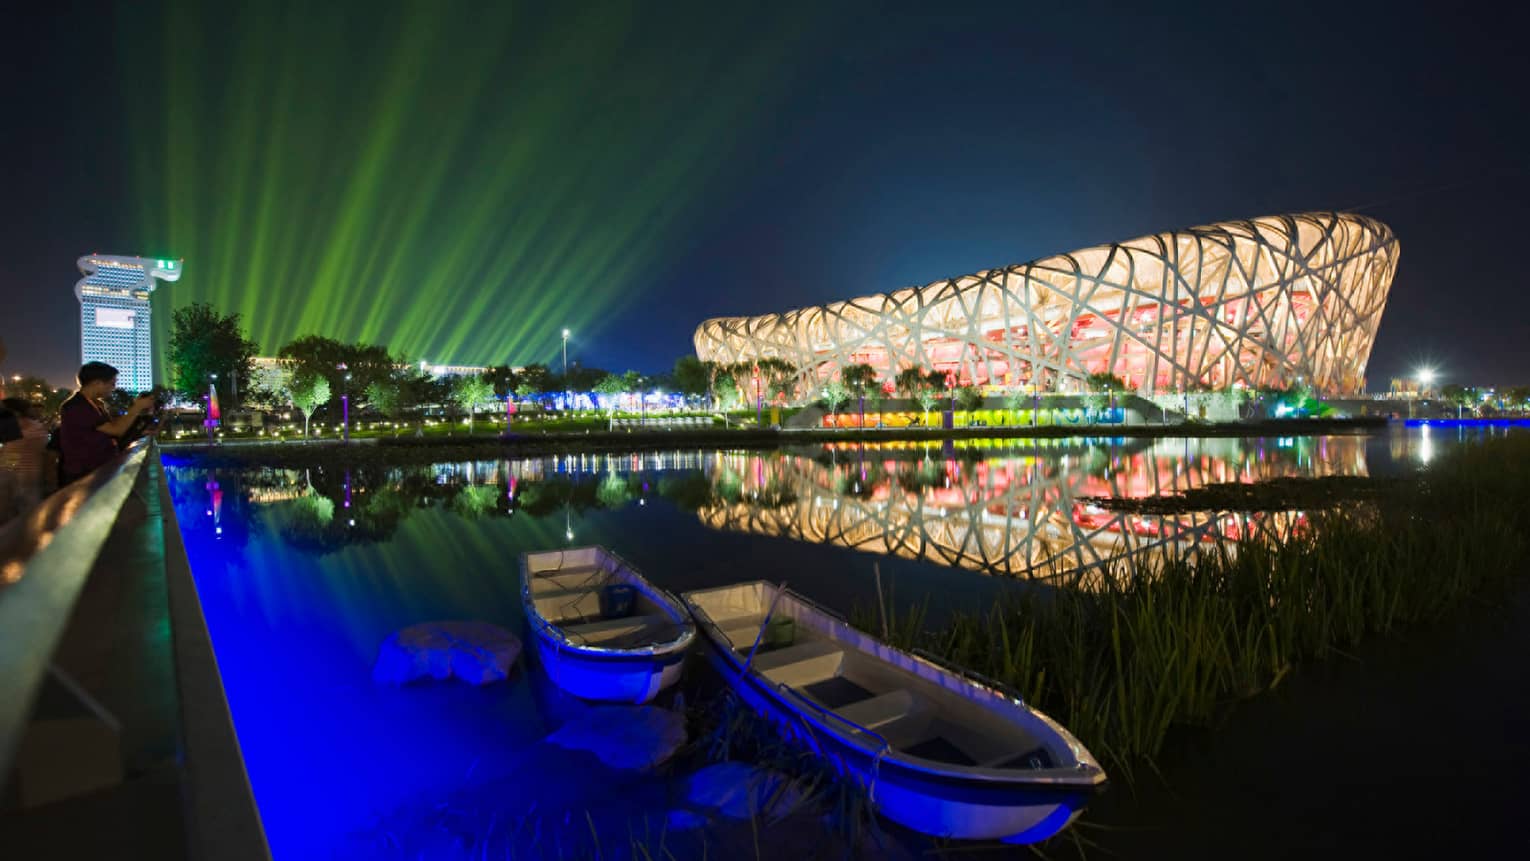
(1029,513)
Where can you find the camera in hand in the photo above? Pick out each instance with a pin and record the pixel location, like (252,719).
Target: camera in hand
(147,420)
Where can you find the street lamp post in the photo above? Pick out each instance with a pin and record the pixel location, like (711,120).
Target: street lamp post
(345,402)
(565,369)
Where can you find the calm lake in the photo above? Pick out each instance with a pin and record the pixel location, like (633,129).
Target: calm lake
(302,574)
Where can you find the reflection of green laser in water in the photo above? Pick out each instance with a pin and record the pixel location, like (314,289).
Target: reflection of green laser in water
(457,183)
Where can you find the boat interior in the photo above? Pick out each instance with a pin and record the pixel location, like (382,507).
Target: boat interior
(566,589)
(917,716)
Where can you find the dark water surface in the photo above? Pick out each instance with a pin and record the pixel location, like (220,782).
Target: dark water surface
(303,573)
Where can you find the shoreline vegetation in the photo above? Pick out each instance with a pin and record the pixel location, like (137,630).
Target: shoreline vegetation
(1169,643)
(434,449)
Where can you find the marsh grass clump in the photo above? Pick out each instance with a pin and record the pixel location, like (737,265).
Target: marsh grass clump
(1161,641)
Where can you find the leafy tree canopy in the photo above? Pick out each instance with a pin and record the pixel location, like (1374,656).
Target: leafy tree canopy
(1105,382)
(332,360)
(204,342)
(307,391)
(536,378)
(859,379)
(833,394)
(691,376)
(471,390)
(503,378)
(969,397)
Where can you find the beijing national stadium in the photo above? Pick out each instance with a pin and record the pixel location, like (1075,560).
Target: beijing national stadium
(1273,302)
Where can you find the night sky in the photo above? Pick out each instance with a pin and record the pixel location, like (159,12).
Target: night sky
(461,183)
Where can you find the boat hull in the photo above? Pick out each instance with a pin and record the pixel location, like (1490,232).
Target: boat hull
(942,805)
(611,677)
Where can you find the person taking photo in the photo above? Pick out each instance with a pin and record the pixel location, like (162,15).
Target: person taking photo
(87,431)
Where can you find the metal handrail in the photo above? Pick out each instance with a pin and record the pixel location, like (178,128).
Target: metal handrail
(824,710)
(833,614)
(971,675)
(68,532)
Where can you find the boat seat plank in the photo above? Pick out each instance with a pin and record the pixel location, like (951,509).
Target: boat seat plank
(880,710)
(568,605)
(802,664)
(626,631)
(803,651)
(741,630)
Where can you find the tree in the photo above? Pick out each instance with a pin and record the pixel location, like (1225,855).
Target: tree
(332,360)
(908,382)
(725,392)
(833,394)
(203,343)
(394,396)
(308,391)
(777,376)
(469,391)
(969,397)
(538,378)
(504,380)
(691,376)
(1014,399)
(1105,381)
(632,381)
(928,394)
(609,387)
(878,398)
(581,379)
(858,379)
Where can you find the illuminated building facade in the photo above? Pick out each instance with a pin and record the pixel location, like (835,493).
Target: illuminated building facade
(1268,302)
(114,314)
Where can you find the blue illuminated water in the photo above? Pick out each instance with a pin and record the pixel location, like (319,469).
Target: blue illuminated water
(303,573)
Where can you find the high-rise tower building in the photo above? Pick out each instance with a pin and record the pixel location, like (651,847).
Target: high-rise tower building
(114,314)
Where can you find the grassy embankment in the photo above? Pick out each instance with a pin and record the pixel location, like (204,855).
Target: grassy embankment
(1168,643)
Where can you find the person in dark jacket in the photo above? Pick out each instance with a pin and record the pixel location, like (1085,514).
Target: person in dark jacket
(87,431)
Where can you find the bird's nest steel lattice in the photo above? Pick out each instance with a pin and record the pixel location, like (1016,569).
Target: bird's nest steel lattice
(1268,302)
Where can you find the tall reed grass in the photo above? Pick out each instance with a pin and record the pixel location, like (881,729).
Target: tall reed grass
(1167,642)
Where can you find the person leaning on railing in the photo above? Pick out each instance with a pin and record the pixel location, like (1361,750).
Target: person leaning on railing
(21,457)
(87,430)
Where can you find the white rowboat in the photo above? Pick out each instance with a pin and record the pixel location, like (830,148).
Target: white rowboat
(940,750)
(625,658)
